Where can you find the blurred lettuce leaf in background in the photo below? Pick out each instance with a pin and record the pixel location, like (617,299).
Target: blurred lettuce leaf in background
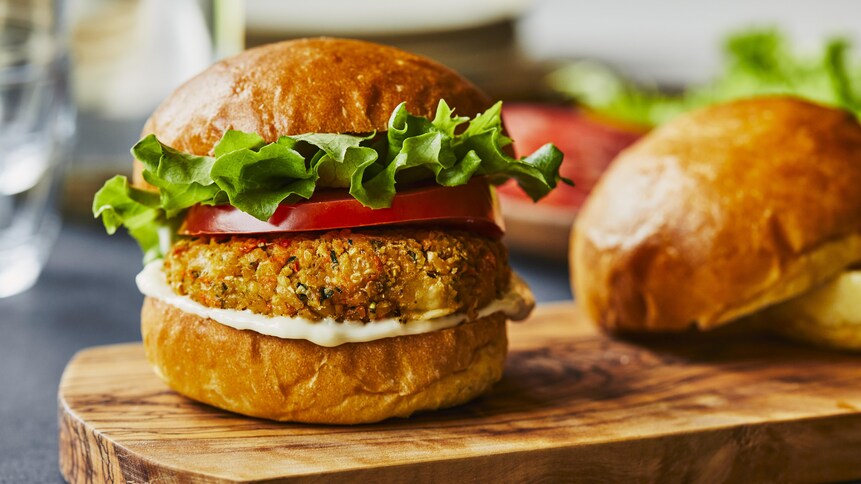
(756,62)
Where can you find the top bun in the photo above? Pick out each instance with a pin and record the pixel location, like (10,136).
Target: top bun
(719,213)
(320,85)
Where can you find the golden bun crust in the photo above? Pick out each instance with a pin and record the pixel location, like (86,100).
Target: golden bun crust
(295,380)
(321,85)
(720,213)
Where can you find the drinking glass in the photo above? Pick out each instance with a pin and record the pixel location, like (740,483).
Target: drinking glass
(36,125)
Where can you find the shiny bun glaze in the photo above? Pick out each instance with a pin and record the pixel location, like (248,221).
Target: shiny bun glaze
(720,213)
(319,85)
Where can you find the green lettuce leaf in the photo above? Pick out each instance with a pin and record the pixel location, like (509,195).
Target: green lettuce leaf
(119,204)
(255,176)
(183,180)
(340,156)
(236,141)
(257,181)
(756,62)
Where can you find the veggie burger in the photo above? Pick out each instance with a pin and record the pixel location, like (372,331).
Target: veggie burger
(320,233)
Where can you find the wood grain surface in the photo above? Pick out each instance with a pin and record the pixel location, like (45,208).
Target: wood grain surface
(573,405)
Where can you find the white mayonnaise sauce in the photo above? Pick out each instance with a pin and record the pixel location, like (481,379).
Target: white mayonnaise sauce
(151,281)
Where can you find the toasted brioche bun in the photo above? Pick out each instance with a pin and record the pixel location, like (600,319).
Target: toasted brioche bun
(720,213)
(295,380)
(320,85)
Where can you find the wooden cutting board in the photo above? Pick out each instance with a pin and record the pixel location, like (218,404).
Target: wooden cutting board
(573,405)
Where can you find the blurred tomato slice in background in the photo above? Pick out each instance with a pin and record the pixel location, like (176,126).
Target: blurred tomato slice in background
(589,145)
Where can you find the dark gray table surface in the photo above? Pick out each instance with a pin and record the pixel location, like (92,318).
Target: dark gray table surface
(86,297)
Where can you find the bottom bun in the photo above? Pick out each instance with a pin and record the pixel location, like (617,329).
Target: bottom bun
(828,316)
(295,380)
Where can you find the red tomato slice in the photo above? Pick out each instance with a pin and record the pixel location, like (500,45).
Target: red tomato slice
(588,144)
(473,207)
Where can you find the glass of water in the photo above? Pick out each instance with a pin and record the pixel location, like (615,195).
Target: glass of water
(36,126)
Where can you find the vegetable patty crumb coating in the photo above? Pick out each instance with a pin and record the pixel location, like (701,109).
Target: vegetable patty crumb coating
(362,275)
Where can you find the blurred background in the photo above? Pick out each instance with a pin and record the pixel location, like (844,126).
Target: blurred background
(79,77)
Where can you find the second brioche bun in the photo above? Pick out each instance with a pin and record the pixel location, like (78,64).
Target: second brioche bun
(720,213)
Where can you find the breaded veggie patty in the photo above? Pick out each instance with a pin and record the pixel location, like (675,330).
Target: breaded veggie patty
(345,275)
